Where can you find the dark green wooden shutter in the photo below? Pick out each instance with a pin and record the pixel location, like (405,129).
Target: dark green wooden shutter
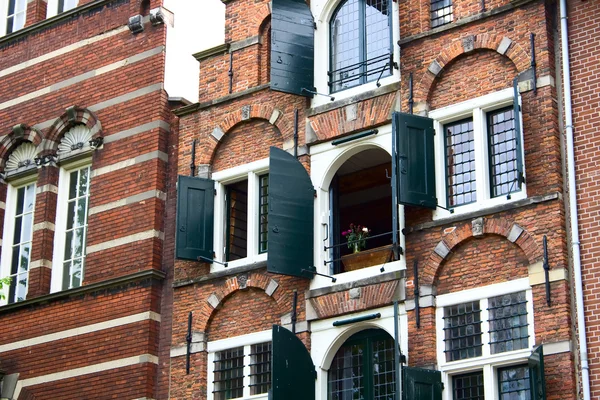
(421,384)
(292,47)
(537,378)
(292,369)
(518,142)
(415,163)
(195,215)
(291,209)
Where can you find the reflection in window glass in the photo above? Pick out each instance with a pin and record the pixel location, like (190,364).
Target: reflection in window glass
(468,386)
(514,383)
(76,229)
(462,331)
(21,243)
(503,151)
(460,163)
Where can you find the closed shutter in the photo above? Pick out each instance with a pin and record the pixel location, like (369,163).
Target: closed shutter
(292,368)
(195,215)
(292,47)
(537,378)
(291,209)
(414,160)
(421,384)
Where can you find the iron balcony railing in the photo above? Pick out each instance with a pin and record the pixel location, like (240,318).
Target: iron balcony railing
(360,72)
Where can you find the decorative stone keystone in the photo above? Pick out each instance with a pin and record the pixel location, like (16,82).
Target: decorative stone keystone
(245,113)
(355,293)
(242,281)
(477,225)
(468,43)
(351,112)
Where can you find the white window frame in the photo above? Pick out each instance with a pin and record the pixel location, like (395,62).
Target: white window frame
(4,17)
(477,109)
(325,161)
(9,229)
(61,223)
(323,10)
(52,8)
(251,171)
(487,362)
(229,343)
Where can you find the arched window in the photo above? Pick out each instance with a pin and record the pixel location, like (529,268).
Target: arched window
(361,43)
(363,368)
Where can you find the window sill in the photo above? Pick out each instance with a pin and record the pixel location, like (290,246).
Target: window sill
(440,214)
(362,277)
(241,263)
(452,218)
(500,359)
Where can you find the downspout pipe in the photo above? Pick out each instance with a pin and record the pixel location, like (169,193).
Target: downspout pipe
(575,246)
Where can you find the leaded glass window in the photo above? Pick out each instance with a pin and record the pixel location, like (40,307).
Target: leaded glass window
(462,331)
(15,18)
(503,151)
(468,386)
(361,43)
(509,329)
(76,228)
(229,374)
(441,12)
(513,383)
(363,368)
(260,368)
(263,212)
(460,162)
(237,218)
(21,243)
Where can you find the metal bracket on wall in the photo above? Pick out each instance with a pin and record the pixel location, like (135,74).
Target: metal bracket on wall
(546,270)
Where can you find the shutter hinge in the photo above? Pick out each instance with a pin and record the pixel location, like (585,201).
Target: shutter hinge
(314,25)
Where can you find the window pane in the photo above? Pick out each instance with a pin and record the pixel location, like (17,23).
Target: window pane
(441,12)
(237,227)
(229,374)
(260,368)
(346,375)
(460,163)
(508,322)
(73,179)
(20,200)
(263,213)
(468,386)
(384,378)
(503,152)
(514,383)
(462,331)
(377,27)
(345,45)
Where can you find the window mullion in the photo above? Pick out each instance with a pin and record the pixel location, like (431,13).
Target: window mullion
(490,381)
(485,327)
(247,362)
(481,161)
(362,29)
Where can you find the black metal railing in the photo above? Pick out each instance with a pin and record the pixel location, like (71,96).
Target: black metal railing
(333,260)
(359,73)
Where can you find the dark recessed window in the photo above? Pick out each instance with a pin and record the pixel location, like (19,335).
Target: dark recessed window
(508,322)
(237,218)
(468,386)
(441,12)
(513,383)
(361,43)
(503,151)
(460,163)
(229,374)
(462,331)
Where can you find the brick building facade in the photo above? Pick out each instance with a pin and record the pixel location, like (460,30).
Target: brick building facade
(462,191)
(85,143)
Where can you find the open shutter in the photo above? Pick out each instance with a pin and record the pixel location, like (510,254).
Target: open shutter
(422,384)
(292,370)
(292,47)
(518,141)
(415,162)
(195,215)
(291,209)
(537,378)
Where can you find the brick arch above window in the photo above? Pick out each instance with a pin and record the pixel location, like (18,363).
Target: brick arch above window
(20,134)
(501,44)
(455,236)
(72,116)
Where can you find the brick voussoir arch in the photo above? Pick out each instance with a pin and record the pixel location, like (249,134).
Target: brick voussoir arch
(260,16)
(492,226)
(72,116)
(20,133)
(256,280)
(489,41)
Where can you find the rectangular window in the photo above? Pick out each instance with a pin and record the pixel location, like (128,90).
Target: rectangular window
(76,227)
(508,322)
(441,12)
(503,151)
(462,330)
(19,255)
(513,383)
(263,212)
(15,16)
(468,386)
(237,220)
(460,163)
(242,371)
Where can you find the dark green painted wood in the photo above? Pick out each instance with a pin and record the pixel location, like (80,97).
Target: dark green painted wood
(415,160)
(537,377)
(292,369)
(195,216)
(421,384)
(291,209)
(292,47)
(519,146)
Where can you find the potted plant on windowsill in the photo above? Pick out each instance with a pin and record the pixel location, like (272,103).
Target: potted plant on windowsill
(360,258)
